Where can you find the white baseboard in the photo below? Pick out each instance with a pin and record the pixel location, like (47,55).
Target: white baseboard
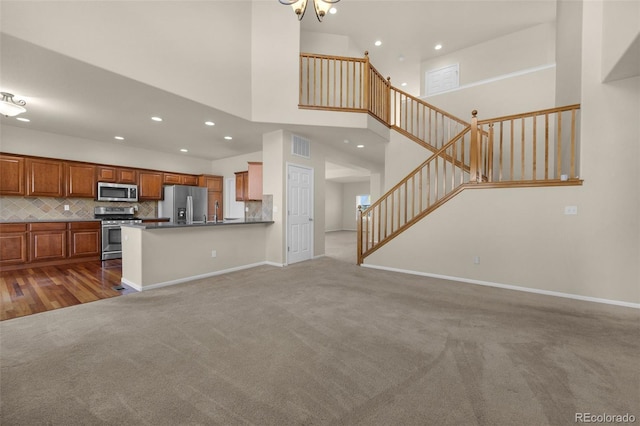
(279,265)
(510,287)
(138,287)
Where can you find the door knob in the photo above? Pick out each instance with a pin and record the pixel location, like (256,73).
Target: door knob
(310,219)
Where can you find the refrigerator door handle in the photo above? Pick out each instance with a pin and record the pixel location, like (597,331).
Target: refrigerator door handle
(189,209)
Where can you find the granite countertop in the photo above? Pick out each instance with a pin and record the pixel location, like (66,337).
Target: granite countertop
(48,220)
(167,225)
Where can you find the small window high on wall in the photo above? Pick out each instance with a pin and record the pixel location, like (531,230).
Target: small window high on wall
(442,79)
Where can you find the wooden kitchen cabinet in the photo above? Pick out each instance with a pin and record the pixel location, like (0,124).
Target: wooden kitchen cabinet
(81,180)
(149,185)
(13,243)
(45,177)
(47,241)
(241,185)
(11,175)
(249,183)
(179,179)
(214,185)
(84,239)
(117,175)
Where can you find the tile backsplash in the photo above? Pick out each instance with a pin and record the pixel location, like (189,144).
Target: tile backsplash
(43,208)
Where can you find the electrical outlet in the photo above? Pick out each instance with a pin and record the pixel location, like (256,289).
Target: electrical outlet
(214,253)
(571,210)
(476,260)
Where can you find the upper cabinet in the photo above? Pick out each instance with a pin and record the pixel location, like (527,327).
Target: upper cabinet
(81,180)
(179,179)
(117,175)
(249,183)
(214,185)
(149,185)
(11,175)
(45,177)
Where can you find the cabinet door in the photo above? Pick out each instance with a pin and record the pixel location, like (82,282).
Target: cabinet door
(241,185)
(13,243)
(84,239)
(213,183)
(171,179)
(212,197)
(81,180)
(47,241)
(11,175)
(127,176)
(45,177)
(189,180)
(149,185)
(254,184)
(107,174)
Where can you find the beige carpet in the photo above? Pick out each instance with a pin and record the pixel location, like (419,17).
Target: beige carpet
(322,342)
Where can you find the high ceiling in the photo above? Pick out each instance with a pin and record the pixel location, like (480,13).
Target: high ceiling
(82,100)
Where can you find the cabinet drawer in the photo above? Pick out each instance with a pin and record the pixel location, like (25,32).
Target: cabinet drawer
(12,227)
(84,225)
(48,226)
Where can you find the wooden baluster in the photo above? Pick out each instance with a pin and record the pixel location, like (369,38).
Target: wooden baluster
(501,151)
(359,245)
(573,144)
(428,183)
(535,144)
(546,146)
(490,154)
(474,154)
(379,222)
(559,139)
(522,151)
(512,145)
(367,79)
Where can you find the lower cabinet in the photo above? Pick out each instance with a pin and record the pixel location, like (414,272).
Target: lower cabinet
(25,245)
(13,243)
(84,239)
(47,241)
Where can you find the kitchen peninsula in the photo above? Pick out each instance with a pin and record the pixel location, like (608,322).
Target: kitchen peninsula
(160,254)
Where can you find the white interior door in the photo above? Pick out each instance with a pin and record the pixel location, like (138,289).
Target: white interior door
(299,214)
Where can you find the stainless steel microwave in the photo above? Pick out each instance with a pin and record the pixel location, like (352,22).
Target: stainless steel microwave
(108,191)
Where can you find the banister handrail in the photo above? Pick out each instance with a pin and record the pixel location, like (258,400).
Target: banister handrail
(432,107)
(415,171)
(529,114)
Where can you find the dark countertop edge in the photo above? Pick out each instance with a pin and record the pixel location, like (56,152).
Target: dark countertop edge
(70,220)
(171,225)
(48,220)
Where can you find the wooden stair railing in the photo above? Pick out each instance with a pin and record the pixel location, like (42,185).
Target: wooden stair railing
(428,186)
(531,149)
(340,83)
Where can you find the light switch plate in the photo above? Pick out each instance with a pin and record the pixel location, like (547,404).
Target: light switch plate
(571,210)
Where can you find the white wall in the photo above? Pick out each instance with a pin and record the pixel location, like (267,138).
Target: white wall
(210,63)
(329,44)
(518,51)
(19,140)
(333,206)
(522,236)
(621,33)
(349,193)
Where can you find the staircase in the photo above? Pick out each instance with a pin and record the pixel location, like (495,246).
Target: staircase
(537,148)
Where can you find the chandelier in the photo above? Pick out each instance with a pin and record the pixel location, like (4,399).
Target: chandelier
(9,107)
(300,6)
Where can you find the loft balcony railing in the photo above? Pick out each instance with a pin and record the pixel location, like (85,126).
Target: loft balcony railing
(537,148)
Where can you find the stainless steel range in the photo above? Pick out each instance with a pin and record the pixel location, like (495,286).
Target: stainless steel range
(112,218)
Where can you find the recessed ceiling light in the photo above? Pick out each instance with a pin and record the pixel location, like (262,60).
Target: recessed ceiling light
(378,43)
(26,120)
(156,118)
(120,138)
(184,150)
(438,46)
(228,138)
(346,141)
(333,10)
(403,84)
(401,58)
(209,123)
(360,146)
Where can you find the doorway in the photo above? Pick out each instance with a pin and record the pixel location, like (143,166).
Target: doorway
(299,213)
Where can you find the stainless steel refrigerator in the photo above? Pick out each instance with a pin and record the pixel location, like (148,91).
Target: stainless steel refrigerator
(184,204)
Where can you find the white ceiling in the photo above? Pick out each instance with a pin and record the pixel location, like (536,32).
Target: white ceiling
(68,96)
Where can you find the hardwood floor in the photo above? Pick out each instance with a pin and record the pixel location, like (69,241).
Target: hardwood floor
(29,291)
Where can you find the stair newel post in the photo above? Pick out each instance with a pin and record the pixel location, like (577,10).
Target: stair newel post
(367,82)
(474,149)
(490,154)
(387,114)
(359,249)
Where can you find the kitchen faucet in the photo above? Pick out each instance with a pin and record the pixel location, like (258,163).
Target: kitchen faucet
(215,214)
